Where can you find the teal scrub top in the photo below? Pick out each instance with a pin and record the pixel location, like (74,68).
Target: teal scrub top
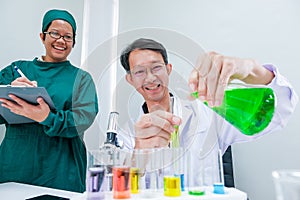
(51,153)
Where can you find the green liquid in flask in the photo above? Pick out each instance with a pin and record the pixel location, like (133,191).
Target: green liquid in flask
(248,109)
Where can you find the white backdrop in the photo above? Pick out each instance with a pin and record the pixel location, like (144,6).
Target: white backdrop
(266,30)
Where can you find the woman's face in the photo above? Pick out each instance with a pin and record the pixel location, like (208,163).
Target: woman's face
(57,50)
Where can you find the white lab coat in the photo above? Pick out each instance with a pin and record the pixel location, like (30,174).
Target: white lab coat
(203,133)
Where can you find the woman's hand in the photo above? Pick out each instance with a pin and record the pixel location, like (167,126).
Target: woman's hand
(23,81)
(18,106)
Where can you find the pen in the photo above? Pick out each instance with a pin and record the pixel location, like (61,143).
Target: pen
(19,71)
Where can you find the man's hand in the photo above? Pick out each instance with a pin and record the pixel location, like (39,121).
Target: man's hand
(18,106)
(214,71)
(154,129)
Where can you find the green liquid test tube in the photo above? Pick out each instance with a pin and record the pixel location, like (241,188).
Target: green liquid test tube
(175,135)
(197,192)
(248,109)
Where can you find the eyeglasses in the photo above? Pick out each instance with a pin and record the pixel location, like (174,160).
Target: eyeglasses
(56,35)
(140,72)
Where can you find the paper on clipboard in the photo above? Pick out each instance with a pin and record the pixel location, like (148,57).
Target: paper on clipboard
(29,94)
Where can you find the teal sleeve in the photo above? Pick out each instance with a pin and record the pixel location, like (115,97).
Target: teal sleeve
(2,120)
(74,121)
(7,75)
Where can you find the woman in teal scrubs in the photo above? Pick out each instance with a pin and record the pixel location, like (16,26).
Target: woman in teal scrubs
(50,151)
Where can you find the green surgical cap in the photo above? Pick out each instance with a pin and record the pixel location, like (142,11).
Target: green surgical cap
(58,14)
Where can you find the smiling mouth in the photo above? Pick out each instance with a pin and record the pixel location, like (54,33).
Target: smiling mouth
(153,87)
(59,48)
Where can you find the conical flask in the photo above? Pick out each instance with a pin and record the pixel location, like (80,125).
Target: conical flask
(249,108)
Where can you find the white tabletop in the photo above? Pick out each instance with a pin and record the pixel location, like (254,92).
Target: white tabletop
(17,191)
(230,194)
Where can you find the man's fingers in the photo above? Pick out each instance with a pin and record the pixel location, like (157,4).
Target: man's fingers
(193,80)
(203,63)
(155,123)
(155,142)
(160,119)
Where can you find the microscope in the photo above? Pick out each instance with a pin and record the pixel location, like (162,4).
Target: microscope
(99,174)
(110,149)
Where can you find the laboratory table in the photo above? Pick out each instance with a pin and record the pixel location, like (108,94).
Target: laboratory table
(18,191)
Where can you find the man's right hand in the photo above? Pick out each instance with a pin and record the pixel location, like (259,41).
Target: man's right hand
(154,129)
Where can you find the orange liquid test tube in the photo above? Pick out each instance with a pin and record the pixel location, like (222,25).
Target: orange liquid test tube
(121,182)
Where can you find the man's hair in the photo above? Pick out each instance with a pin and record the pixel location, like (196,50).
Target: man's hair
(142,44)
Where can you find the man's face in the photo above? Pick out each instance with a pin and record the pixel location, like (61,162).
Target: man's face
(149,74)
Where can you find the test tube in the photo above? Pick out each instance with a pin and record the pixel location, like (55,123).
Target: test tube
(134,179)
(195,175)
(175,143)
(219,186)
(121,182)
(172,186)
(175,135)
(173,171)
(95,177)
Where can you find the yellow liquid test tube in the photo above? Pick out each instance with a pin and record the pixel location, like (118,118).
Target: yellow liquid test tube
(172,186)
(134,176)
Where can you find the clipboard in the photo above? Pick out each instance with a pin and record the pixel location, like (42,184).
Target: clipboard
(29,94)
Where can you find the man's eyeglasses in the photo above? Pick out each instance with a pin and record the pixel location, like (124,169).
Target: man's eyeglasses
(140,72)
(56,35)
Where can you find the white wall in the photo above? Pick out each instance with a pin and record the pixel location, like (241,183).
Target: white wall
(21,23)
(266,30)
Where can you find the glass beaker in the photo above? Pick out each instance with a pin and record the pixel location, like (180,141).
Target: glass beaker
(195,175)
(204,171)
(287,184)
(121,174)
(103,158)
(95,177)
(146,172)
(121,182)
(173,169)
(249,108)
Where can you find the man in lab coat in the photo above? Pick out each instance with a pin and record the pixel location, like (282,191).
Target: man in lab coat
(202,132)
